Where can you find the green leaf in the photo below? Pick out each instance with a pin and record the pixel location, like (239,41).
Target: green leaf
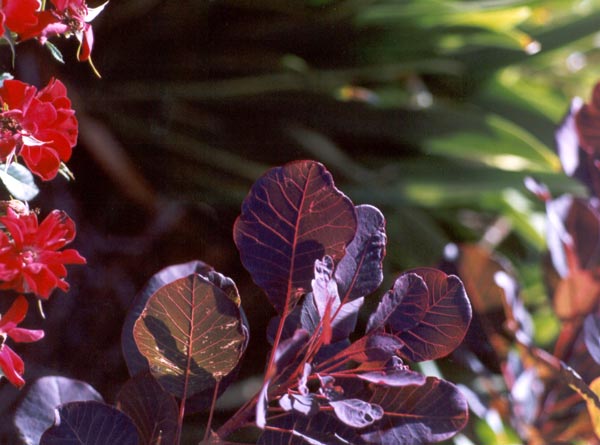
(192,335)
(19,181)
(55,52)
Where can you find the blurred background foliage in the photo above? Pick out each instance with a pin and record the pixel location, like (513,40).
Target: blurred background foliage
(433,110)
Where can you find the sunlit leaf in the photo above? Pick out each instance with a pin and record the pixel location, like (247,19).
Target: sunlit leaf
(356,412)
(393,377)
(292,216)
(360,271)
(19,181)
(576,295)
(90,423)
(136,363)
(192,334)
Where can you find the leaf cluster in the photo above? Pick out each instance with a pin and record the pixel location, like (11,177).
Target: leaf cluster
(317,257)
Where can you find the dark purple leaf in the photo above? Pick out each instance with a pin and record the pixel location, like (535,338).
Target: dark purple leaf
(403,307)
(153,410)
(414,415)
(320,429)
(288,350)
(90,423)
(356,412)
(577,162)
(445,322)
(192,334)
(587,121)
(372,347)
(591,333)
(136,362)
(292,216)
(292,322)
(574,226)
(34,413)
(360,271)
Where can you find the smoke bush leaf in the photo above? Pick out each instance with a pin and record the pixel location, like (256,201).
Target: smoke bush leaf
(90,423)
(153,410)
(430,321)
(414,415)
(403,307)
(292,216)
(192,335)
(356,412)
(304,404)
(394,377)
(360,271)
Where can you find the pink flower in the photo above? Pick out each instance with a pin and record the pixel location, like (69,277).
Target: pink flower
(67,18)
(30,258)
(39,126)
(11,364)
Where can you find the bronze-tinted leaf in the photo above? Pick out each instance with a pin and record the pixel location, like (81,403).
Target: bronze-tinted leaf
(192,335)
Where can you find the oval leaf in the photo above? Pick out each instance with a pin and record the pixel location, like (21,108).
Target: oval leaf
(192,335)
(153,410)
(90,423)
(19,181)
(414,415)
(445,322)
(292,216)
(35,411)
(136,363)
(360,271)
(403,307)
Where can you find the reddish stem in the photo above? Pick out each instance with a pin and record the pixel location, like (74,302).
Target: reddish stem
(180,420)
(212,411)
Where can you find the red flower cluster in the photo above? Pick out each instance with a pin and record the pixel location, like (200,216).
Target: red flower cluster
(11,364)
(39,126)
(30,258)
(67,18)
(19,15)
